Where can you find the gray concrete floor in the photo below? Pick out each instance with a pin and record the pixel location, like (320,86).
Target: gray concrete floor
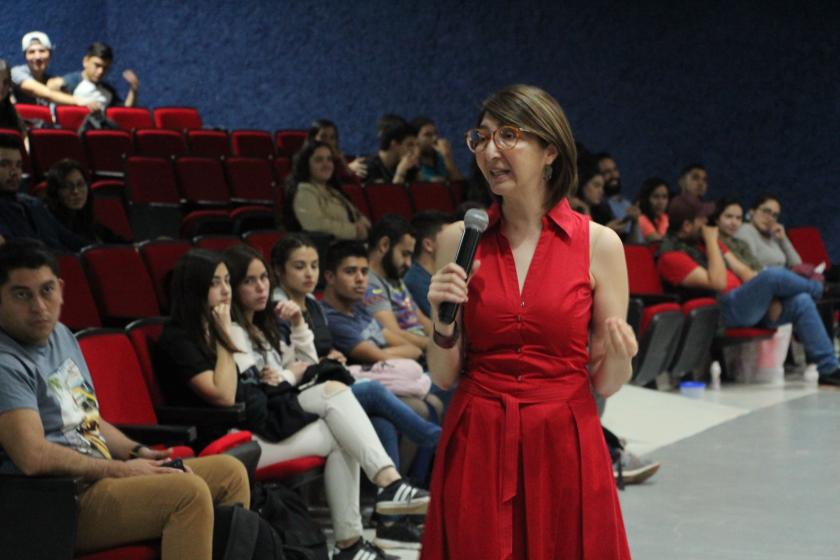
(762,486)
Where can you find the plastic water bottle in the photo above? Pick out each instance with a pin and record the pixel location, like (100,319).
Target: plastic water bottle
(714,372)
(811,374)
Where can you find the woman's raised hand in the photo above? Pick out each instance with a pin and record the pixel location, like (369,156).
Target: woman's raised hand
(449,284)
(289,311)
(221,314)
(621,340)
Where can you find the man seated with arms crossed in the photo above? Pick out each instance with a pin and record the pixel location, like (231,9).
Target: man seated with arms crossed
(355,332)
(387,298)
(31,80)
(691,256)
(90,82)
(50,425)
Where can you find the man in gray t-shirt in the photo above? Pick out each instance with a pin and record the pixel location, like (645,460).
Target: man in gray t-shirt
(50,425)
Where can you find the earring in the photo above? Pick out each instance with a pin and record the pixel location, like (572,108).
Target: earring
(548,172)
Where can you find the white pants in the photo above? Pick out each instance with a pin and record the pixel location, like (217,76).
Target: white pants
(344,435)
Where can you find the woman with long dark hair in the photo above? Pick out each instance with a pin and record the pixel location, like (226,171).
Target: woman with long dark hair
(653,203)
(313,200)
(212,360)
(325,130)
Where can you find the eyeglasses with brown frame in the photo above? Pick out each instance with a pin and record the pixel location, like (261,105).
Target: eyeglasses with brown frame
(505,137)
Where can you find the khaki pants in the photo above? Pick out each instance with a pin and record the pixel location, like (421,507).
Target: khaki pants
(176,508)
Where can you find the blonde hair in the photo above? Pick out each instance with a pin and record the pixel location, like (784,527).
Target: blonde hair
(534,109)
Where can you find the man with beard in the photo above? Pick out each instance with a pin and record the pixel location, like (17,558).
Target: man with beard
(355,332)
(436,161)
(692,256)
(388,299)
(22,215)
(625,214)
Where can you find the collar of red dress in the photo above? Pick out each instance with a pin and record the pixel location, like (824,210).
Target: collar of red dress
(561,215)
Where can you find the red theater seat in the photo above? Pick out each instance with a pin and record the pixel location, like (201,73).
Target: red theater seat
(250,180)
(252,143)
(109,207)
(384,198)
(29,112)
(159,143)
(202,180)
(120,283)
(107,151)
(431,196)
(289,142)
(79,310)
(71,117)
(160,257)
(208,143)
(51,145)
(263,241)
(130,118)
(177,118)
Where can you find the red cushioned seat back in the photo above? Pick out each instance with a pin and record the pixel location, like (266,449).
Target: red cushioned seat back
(206,222)
(51,145)
(177,118)
(130,118)
(282,168)
(431,196)
(202,180)
(356,194)
(651,311)
(109,207)
(641,271)
(159,143)
(144,334)
(697,303)
(208,143)
(149,550)
(79,310)
(384,198)
(809,244)
(71,117)
(107,150)
(160,257)
(289,142)
(248,218)
(31,112)
(121,285)
(252,143)
(263,241)
(216,243)
(117,377)
(250,179)
(151,181)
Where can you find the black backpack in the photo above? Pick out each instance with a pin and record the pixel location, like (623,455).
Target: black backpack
(241,534)
(286,512)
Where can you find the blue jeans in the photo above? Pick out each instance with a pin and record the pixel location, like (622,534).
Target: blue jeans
(391,417)
(747,305)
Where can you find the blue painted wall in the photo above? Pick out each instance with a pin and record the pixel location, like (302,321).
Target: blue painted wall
(750,89)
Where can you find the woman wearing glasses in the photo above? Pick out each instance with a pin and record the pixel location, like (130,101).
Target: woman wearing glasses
(766,237)
(521,469)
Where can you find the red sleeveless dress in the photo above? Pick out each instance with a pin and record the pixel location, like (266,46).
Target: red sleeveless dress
(522,470)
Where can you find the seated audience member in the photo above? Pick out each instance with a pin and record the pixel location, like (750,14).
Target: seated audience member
(50,425)
(692,256)
(22,215)
(387,299)
(257,333)
(313,200)
(398,156)
(9,118)
(326,131)
(765,235)
(427,227)
(693,180)
(89,83)
(625,213)
(729,218)
(199,347)
(30,80)
(355,332)
(591,191)
(71,202)
(653,204)
(436,161)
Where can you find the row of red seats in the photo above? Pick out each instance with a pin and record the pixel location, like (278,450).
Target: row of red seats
(70,117)
(114,284)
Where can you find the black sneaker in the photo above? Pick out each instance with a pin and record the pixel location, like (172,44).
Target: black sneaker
(832,378)
(399,534)
(401,498)
(362,550)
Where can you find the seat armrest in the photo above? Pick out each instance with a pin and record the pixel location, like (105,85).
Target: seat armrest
(160,433)
(203,417)
(28,505)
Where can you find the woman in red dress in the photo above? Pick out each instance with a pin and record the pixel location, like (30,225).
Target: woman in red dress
(522,470)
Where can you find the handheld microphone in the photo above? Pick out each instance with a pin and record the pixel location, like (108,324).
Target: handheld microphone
(475,222)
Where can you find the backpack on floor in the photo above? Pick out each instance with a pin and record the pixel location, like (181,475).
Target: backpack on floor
(286,512)
(241,534)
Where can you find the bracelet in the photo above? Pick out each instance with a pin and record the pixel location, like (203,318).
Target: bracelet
(135,451)
(445,341)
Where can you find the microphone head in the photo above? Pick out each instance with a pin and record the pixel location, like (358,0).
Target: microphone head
(477,219)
